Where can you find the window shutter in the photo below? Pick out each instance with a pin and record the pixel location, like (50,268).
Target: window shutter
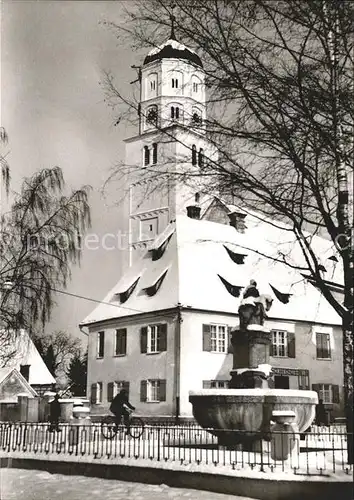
(291,345)
(328,346)
(121,339)
(315,387)
(162,337)
(271,347)
(125,386)
(93,393)
(162,390)
(154,153)
(335,394)
(318,345)
(229,337)
(143,391)
(206,384)
(124,341)
(206,338)
(110,391)
(143,339)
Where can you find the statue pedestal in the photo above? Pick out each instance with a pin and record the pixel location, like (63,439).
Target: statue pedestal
(251,351)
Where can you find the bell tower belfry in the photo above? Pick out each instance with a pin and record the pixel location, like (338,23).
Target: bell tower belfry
(171,140)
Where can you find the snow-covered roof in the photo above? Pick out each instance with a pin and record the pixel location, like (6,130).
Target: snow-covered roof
(196,257)
(171,49)
(27,354)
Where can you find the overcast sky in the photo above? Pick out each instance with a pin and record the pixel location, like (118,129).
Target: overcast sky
(52,57)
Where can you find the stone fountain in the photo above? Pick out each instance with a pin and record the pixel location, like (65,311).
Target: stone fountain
(251,405)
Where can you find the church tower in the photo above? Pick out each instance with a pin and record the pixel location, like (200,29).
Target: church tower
(171,141)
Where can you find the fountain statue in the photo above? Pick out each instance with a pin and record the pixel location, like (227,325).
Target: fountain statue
(250,406)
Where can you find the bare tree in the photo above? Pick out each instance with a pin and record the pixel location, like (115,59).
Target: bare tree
(57,349)
(280,86)
(40,239)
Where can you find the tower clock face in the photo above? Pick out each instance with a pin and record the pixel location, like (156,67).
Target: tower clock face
(152,116)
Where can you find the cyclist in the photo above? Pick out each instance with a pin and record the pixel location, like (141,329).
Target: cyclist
(120,407)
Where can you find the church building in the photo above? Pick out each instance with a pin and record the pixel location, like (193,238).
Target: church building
(164,329)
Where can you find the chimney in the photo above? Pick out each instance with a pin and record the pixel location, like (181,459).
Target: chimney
(237,220)
(193,211)
(24,370)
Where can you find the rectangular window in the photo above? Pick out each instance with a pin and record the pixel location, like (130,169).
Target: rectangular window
(323,346)
(279,343)
(100,344)
(153,85)
(175,83)
(218,338)
(153,390)
(195,87)
(153,338)
(325,393)
(120,344)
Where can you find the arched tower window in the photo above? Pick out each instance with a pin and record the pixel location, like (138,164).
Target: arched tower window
(151,85)
(176,112)
(146,155)
(194,154)
(201,158)
(154,153)
(196,86)
(177,81)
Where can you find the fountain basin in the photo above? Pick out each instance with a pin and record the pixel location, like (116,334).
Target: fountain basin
(250,410)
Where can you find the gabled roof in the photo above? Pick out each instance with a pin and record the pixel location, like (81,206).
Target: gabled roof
(27,354)
(7,373)
(196,258)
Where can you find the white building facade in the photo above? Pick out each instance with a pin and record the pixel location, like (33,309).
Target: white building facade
(164,329)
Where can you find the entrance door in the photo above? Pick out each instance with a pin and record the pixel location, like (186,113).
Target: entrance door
(281,382)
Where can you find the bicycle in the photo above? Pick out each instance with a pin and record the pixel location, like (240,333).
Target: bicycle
(109,427)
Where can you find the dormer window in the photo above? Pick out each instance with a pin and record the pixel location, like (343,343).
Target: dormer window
(233,290)
(201,158)
(238,258)
(124,296)
(175,83)
(194,154)
(146,156)
(153,289)
(157,253)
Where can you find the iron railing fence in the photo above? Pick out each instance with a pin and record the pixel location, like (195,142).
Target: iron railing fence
(314,453)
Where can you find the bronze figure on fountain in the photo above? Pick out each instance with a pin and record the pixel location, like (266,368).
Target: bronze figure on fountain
(253,307)
(251,341)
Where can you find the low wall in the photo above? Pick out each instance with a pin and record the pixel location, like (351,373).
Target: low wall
(254,487)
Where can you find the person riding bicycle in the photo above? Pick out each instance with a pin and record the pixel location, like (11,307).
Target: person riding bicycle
(119,407)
